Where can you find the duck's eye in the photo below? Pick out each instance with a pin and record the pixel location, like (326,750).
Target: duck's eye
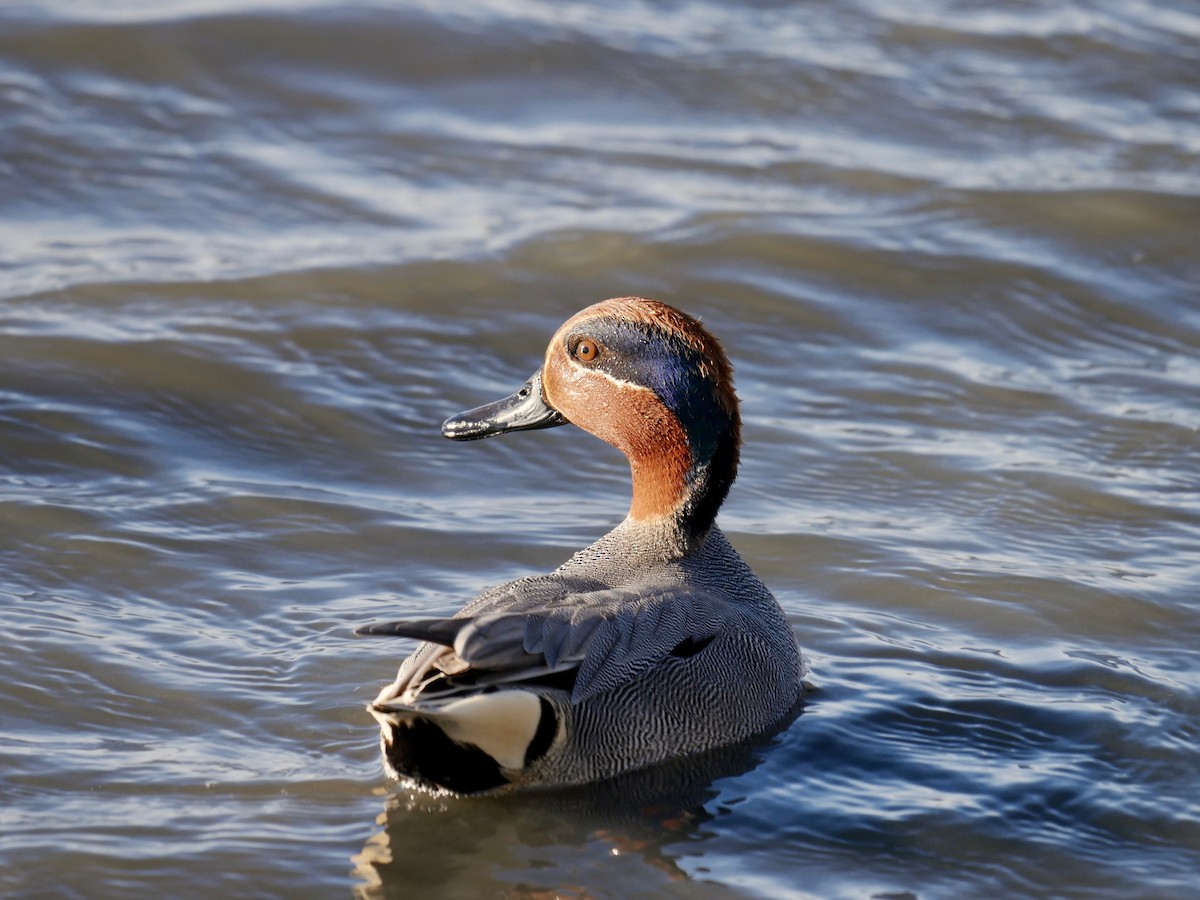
(586,350)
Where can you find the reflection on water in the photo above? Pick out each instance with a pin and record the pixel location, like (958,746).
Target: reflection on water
(636,828)
(253,254)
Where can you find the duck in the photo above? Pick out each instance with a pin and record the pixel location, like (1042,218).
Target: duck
(655,642)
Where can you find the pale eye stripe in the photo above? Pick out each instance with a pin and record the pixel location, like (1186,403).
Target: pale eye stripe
(619,382)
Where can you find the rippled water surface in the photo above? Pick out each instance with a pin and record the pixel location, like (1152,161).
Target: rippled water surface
(252,254)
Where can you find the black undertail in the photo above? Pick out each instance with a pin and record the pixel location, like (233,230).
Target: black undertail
(422,751)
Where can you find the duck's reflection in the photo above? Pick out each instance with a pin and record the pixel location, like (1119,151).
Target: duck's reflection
(617,838)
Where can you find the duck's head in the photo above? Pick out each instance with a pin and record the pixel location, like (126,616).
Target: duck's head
(651,381)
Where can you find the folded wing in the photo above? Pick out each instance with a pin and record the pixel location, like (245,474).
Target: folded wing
(605,638)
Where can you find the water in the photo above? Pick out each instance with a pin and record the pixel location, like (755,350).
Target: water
(252,254)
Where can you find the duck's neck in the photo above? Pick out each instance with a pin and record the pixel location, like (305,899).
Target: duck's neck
(676,496)
(661,482)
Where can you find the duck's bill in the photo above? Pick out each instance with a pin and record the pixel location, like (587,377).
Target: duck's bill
(523,411)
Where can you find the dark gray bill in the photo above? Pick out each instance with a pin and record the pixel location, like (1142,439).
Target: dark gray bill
(523,411)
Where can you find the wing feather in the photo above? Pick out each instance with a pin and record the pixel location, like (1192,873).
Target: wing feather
(609,636)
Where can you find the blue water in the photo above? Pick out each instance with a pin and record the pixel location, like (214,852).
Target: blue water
(252,255)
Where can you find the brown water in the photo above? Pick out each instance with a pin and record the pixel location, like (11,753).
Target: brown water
(252,254)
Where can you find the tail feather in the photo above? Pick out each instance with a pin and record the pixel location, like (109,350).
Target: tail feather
(436,631)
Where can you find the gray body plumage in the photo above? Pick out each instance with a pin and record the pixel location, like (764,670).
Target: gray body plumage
(668,656)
